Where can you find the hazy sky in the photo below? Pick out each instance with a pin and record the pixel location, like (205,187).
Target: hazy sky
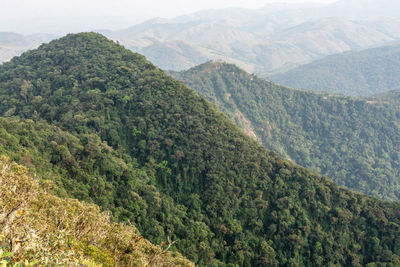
(25,14)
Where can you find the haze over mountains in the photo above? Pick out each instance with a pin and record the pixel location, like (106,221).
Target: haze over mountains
(13,44)
(363,73)
(264,41)
(364,9)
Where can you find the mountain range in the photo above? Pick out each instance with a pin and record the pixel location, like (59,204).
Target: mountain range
(257,41)
(13,44)
(362,73)
(108,127)
(266,41)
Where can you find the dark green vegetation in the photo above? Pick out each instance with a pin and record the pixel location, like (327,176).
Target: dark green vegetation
(111,128)
(63,231)
(354,142)
(362,73)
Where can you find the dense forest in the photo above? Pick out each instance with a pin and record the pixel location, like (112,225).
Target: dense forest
(40,229)
(361,73)
(110,128)
(354,142)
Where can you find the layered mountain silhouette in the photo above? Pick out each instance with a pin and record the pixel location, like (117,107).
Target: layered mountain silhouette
(13,44)
(257,41)
(266,41)
(363,73)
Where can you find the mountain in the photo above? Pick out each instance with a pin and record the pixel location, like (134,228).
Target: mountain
(258,41)
(38,228)
(266,41)
(362,73)
(133,140)
(13,44)
(174,54)
(354,142)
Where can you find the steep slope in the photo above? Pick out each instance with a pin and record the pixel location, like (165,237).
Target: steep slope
(361,73)
(225,198)
(84,167)
(37,228)
(354,142)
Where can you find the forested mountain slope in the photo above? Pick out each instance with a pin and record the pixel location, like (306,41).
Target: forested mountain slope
(40,229)
(145,146)
(363,73)
(354,142)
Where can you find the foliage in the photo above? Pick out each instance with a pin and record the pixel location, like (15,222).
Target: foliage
(38,228)
(354,142)
(361,73)
(133,140)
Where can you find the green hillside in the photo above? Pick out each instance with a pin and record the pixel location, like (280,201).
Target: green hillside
(131,139)
(363,73)
(40,229)
(354,142)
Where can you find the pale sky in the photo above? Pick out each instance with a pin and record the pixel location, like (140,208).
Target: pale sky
(23,15)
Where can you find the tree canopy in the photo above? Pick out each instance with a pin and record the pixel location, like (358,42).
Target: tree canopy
(117,131)
(354,142)
(354,73)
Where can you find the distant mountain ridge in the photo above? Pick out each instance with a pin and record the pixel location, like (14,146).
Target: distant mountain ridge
(270,40)
(362,73)
(265,41)
(13,44)
(252,41)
